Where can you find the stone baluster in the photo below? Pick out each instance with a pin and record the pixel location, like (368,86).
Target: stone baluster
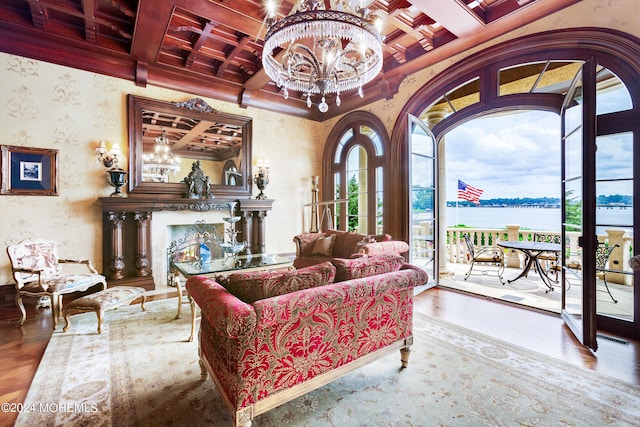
(513,259)
(617,259)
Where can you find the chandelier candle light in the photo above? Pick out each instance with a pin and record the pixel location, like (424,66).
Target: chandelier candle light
(161,162)
(109,157)
(325,51)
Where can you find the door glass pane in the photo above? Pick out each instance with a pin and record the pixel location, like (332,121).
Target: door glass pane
(573,252)
(614,226)
(573,205)
(423,201)
(422,144)
(573,155)
(573,115)
(614,204)
(614,156)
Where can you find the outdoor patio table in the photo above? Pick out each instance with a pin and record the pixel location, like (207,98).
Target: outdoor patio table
(532,250)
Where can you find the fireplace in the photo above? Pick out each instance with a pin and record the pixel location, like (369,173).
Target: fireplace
(194,243)
(135,233)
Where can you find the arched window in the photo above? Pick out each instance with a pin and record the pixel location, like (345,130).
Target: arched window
(354,174)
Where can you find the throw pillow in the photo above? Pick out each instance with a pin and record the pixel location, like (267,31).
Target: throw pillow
(357,268)
(324,246)
(253,286)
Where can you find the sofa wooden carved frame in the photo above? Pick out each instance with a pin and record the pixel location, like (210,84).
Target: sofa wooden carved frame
(244,416)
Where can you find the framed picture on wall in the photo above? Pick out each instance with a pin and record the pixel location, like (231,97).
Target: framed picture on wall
(28,171)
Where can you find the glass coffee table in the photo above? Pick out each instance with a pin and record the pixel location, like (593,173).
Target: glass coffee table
(223,267)
(231,265)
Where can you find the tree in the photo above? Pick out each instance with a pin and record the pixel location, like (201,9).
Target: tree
(573,211)
(353,190)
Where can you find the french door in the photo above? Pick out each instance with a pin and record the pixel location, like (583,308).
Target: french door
(578,205)
(599,164)
(423,206)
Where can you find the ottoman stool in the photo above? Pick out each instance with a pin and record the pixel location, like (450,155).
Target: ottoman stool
(101,301)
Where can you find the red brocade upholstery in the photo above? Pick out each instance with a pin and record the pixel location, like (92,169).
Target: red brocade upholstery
(344,244)
(250,287)
(356,268)
(254,351)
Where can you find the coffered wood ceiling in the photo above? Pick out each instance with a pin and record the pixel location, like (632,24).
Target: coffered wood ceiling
(213,48)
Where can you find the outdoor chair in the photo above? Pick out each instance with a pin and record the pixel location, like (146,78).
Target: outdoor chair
(37,273)
(603,253)
(484,255)
(550,259)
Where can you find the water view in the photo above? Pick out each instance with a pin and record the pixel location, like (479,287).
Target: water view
(527,218)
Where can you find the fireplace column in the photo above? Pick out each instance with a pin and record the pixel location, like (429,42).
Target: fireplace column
(142,260)
(117,259)
(127,246)
(253,213)
(246,230)
(258,231)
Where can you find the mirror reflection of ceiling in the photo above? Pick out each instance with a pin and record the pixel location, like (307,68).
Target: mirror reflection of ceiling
(190,137)
(214,47)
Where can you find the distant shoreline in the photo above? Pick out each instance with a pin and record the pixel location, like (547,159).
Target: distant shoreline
(453,205)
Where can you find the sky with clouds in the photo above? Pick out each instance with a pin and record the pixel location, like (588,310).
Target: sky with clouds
(508,155)
(517,154)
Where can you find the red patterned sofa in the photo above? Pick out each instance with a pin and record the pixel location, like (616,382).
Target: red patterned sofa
(315,248)
(298,330)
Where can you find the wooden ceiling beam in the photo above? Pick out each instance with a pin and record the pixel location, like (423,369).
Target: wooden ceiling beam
(89,16)
(231,57)
(38,13)
(202,38)
(455,17)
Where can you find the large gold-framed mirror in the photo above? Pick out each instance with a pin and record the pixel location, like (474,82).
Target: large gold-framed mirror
(166,138)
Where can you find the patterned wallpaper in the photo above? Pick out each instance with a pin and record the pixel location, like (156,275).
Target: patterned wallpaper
(49,106)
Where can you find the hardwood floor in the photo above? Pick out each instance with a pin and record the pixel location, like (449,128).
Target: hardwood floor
(22,348)
(544,333)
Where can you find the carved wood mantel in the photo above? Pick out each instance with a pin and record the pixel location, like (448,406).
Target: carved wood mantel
(127,240)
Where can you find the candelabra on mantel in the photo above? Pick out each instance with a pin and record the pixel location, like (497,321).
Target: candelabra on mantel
(262,178)
(232,248)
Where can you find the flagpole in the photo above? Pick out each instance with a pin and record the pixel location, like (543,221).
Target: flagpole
(457,183)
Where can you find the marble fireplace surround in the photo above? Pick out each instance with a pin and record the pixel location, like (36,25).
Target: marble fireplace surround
(134,233)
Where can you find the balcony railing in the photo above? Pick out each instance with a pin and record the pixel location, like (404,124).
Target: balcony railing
(457,252)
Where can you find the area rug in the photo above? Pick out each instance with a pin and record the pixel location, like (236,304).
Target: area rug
(141,372)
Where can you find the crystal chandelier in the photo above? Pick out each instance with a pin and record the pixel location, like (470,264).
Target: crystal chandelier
(161,162)
(320,51)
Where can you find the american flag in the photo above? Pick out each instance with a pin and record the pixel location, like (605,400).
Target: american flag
(467,192)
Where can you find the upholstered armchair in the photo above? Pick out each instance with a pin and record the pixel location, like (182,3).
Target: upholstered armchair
(37,272)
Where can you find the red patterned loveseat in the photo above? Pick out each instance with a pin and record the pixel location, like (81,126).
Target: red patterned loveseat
(315,248)
(282,343)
